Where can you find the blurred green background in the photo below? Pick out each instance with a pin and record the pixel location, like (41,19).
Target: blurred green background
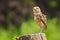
(16,18)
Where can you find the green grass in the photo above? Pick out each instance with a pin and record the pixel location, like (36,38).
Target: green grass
(31,27)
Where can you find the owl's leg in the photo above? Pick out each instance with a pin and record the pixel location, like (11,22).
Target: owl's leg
(41,33)
(41,29)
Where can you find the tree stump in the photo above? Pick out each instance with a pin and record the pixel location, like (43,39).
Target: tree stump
(39,36)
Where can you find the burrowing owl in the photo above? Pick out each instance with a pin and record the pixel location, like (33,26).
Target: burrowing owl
(40,18)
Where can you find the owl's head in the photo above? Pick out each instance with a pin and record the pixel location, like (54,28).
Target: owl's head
(36,9)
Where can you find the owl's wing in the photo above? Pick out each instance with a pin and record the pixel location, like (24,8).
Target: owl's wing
(43,20)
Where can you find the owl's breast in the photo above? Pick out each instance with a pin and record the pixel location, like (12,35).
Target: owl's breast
(37,19)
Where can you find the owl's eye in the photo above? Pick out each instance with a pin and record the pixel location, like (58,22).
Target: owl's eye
(37,8)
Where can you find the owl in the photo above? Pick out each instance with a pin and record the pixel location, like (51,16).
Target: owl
(40,18)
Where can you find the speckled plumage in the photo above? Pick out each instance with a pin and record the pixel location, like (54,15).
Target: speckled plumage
(40,18)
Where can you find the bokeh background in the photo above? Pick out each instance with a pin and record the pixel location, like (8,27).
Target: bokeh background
(16,18)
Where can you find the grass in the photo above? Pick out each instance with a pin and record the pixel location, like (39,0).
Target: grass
(31,27)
